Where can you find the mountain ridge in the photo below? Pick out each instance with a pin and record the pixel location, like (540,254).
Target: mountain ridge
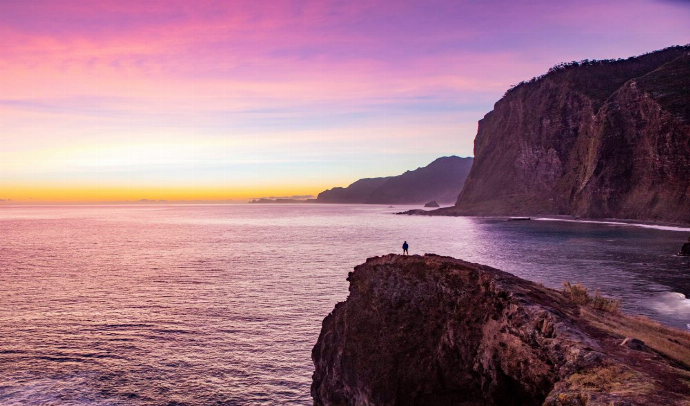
(441,180)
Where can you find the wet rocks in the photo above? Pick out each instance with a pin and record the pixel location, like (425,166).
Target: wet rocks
(414,212)
(685,249)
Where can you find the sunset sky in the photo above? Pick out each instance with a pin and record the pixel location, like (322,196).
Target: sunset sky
(124,100)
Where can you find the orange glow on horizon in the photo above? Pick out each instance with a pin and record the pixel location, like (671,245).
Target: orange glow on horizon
(104,194)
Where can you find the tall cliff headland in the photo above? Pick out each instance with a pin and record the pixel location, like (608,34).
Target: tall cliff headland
(442,180)
(435,330)
(597,139)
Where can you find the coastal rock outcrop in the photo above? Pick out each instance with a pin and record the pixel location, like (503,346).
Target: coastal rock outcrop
(685,249)
(442,180)
(435,330)
(432,203)
(596,139)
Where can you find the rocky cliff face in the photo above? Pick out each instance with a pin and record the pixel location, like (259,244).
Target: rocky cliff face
(439,331)
(441,180)
(597,139)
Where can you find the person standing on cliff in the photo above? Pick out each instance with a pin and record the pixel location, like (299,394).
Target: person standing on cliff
(405,247)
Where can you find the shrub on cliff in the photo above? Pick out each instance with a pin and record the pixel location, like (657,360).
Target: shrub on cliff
(580,295)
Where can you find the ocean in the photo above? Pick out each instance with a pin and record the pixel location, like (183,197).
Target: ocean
(221,304)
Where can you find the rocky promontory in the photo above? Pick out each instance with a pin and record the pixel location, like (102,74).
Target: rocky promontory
(435,330)
(596,139)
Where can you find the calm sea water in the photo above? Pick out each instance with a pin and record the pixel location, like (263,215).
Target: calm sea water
(220,305)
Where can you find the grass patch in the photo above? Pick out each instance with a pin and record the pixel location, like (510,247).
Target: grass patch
(571,399)
(580,295)
(674,344)
(613,379)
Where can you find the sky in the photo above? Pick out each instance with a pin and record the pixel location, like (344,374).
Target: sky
(116,100)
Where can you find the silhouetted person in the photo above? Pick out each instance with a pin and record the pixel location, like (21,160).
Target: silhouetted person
(405,247)
(685,250)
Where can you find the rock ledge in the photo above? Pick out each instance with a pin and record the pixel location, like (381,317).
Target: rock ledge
(435,330)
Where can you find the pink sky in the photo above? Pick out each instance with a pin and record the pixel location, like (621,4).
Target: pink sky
(218,99)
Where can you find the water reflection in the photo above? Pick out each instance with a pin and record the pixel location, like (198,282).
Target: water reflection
(203,305)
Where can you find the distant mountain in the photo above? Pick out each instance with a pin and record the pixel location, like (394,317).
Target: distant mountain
(597,139)
(441,180)
(357,192)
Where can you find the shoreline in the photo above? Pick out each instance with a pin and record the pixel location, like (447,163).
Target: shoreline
(678,227)
(660,225)
(441,212)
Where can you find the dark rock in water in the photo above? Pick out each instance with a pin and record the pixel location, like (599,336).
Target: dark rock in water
(519,219)
(442,180)
(439,331)
(413,212)
(597,139)
(432,203)
(685,249)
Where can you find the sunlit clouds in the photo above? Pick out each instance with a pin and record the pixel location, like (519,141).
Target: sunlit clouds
(124,100)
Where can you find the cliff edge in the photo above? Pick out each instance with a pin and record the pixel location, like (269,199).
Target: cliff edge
(596,139)
(435,330)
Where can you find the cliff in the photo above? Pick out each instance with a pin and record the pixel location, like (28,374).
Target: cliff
(441,180)
(597,139)
(439,331)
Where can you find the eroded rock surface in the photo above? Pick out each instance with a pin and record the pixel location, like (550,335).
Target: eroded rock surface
(439,331)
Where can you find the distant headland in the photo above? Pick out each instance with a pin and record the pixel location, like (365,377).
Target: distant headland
(440,181)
